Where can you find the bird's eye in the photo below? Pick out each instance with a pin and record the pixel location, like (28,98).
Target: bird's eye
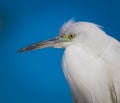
(71,35)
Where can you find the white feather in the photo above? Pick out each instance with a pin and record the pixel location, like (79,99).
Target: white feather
(91,64)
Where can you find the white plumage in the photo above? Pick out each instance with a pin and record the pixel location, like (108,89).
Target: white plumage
(90,62)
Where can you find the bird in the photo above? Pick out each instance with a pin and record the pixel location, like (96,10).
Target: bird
(91,61)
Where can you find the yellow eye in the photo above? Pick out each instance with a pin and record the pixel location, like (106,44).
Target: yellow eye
(71,36)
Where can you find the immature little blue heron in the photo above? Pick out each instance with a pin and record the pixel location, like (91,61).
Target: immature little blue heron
(91,62)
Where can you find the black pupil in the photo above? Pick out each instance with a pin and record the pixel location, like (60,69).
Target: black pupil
(71,36)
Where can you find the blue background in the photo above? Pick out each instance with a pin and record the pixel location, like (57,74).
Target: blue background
(36,76)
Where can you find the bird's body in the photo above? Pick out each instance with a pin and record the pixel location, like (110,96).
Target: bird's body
(91,77)
(90,62)
(93,69)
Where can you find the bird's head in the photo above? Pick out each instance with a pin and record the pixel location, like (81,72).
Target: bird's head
(71,32)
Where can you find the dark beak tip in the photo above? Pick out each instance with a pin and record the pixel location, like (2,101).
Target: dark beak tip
(29,48)
(20,50)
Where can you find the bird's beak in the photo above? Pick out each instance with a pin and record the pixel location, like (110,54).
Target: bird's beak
(55,42)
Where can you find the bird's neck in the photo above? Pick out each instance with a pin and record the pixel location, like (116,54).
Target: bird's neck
(96,46)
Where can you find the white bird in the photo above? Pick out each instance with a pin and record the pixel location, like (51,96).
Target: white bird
(91,62)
